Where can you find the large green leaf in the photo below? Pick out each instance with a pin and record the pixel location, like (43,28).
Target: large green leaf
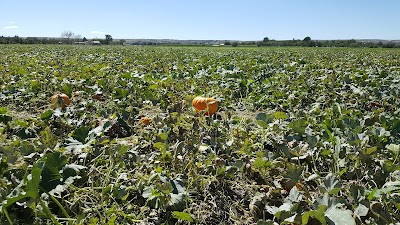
(331,184)
(318,214)
(80,134)
(46,115)
(264,119)
(299,126)
(28,187)
(51,176)
(338,216)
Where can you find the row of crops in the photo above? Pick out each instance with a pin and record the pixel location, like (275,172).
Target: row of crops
(301,135)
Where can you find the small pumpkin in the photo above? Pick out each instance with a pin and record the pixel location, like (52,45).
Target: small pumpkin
(60,100)
(208,105)
(145,120)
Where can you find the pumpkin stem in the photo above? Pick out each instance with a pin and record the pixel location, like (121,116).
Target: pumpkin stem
(60,100)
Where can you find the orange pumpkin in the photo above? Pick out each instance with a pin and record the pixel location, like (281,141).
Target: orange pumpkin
(60,100)
(209,105)
(145,120)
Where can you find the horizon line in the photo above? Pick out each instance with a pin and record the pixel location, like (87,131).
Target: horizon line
(177,39)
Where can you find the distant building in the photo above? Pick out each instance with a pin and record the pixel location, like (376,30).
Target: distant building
(79,43)
(95,43)
(86,43)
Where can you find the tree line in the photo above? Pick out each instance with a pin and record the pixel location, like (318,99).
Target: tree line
(28,40)
(67,37)
(307,42)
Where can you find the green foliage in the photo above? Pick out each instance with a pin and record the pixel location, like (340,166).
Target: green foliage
(302,135)
(307,42)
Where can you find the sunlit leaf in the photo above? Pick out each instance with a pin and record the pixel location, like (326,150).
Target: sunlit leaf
(46,115)
(182,216)
(318,214)
(337,216)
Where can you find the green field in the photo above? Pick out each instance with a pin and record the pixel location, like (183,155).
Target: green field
(301,136)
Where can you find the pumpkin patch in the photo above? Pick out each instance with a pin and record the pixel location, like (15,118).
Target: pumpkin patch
(204,135)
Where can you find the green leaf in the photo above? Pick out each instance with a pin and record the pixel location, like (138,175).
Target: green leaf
(331,184)
(3,110)
(327,130)
(28,188)
(318,214)
(33,184)
(361,210)
(122,149)
(53,164)
(294,173)
(299,126)
(97,131)
(263,119)
(386,188)
(261,163)
(339,216)
(5,118)
(177,185)
(148,193)
(262,222)
(26,148)
(369,151)
(160,146)
(381,132)
(182,216)
(395,149)
(280,115)
(75,146)
(121,93)
(163,136)
(112,220)
(294,195)
(172,194)
(285,207)
(81,134)
(46,115)
(325,152)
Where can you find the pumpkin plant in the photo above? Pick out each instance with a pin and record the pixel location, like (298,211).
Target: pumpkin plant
(208,105)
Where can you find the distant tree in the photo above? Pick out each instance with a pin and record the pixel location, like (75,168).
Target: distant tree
(227,43)
(235,44)
(84,39)
(67,35)
(266,39)
(78,37)
(307,39)
(108,39)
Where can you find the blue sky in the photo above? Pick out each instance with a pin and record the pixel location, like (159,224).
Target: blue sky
(203,19)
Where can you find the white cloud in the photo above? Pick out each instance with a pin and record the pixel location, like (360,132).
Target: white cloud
(10,27)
